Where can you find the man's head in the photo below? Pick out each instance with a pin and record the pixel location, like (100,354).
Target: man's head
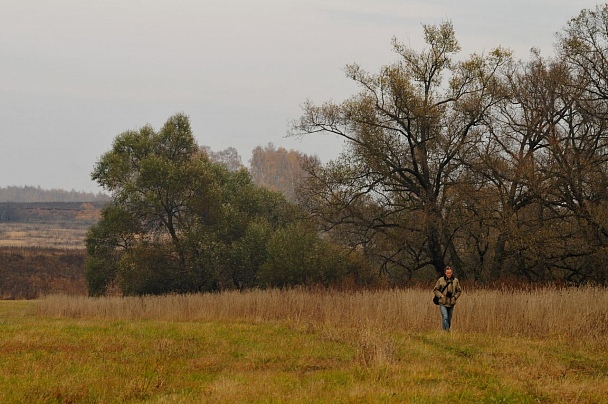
(448,272)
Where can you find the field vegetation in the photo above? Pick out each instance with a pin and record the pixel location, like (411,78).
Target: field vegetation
(42,245)
(45,235)
(537,345)
(30,272)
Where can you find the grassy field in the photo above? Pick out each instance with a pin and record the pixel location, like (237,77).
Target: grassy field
(44,235)
(546,345)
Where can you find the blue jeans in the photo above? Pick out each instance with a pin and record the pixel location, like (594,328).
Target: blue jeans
(446,316)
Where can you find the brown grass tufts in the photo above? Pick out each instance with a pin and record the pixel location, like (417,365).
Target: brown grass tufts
(557,312)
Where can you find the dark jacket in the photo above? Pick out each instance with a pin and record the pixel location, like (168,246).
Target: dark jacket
(453,290)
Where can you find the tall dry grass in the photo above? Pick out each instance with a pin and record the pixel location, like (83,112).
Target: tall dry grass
(557,312)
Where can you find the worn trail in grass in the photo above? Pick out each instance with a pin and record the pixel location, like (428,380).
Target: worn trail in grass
(78,360)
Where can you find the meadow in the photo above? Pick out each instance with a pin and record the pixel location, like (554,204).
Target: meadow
(524,346)
(39,257)
(67,235)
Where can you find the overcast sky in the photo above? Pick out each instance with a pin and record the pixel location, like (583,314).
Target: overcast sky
(75,74)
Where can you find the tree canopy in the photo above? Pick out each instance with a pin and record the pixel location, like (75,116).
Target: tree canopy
(496,166)
(493,165)
(179,222)
(405,130)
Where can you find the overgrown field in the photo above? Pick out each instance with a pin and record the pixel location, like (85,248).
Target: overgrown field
(29,272)
(69,235)
(546,345)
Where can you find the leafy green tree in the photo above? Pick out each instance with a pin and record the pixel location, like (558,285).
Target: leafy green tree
(297,256)
(165,186)
(248,215)
(115,232)
(181,223)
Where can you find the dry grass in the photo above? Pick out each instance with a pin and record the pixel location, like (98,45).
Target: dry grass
(31,272)
(307,346)
(45,235)
(556,312)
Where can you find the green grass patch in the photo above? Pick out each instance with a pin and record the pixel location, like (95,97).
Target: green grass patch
(57,360)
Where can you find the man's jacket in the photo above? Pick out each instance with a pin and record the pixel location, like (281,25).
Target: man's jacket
(453,290)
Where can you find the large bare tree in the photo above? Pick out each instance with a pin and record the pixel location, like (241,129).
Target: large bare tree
(403,131)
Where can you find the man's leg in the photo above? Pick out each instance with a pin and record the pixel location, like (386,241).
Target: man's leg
(450,311)
(445,319)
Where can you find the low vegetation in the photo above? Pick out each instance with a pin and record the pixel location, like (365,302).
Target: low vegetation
(544,345)
(563,313)
(45,235)
(30,272)
(42,245)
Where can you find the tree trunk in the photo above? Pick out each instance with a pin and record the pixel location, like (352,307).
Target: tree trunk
(434,240)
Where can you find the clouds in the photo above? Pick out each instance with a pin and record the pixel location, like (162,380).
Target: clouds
(76,74)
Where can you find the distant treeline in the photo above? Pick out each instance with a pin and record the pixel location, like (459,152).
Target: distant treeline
(37,194)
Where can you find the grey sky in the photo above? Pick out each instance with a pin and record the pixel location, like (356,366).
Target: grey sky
(74,74)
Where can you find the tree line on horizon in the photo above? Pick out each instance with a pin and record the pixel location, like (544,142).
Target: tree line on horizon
(495,166)
(29,194)
(275,168)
